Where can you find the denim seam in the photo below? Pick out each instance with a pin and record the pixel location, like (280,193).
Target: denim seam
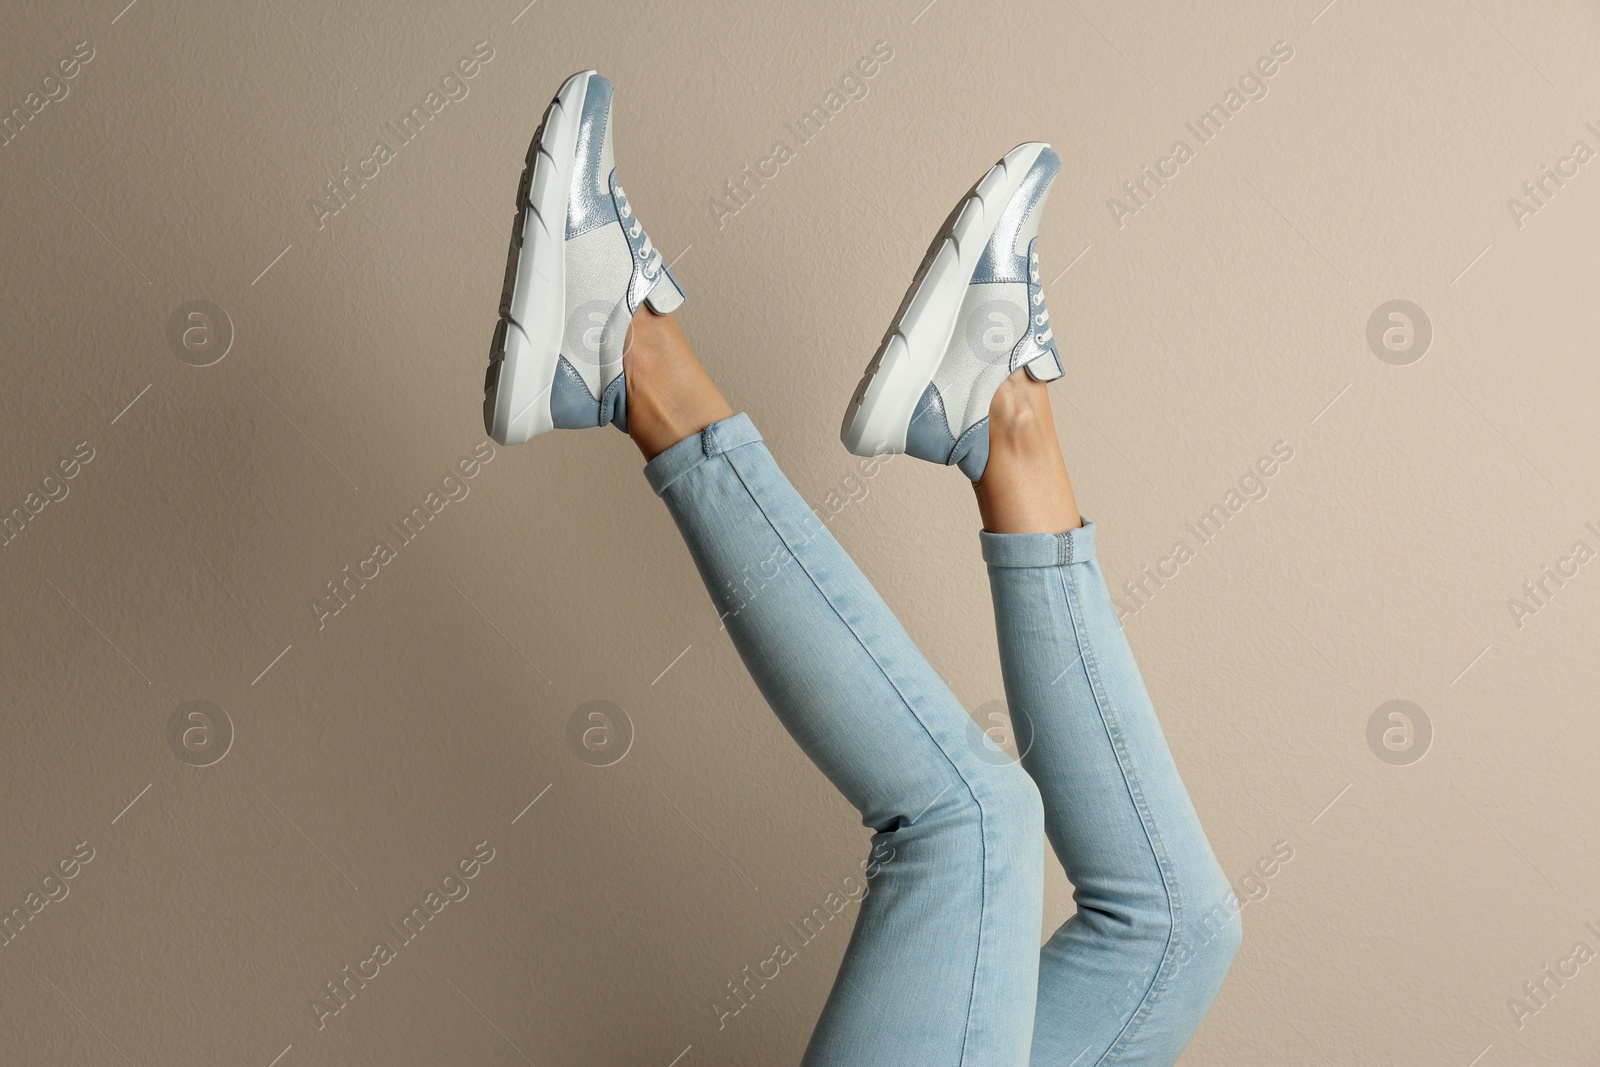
(1102,700)
(983,908)
(710,445)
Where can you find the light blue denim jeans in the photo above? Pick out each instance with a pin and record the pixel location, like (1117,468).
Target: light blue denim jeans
(944,965)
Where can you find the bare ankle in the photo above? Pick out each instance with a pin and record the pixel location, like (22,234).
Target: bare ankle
(653,338)
(1025,488)
(670,395)
(1019,413)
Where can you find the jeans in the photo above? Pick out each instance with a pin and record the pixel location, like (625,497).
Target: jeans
(944,965)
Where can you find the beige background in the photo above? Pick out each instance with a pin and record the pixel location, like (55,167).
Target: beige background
(369,757)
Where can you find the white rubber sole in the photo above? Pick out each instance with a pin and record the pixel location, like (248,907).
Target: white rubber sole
(879,413)
(527,340)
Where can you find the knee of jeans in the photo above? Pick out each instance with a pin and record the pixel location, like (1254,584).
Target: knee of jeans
(1011,803)
(999,802)
(1186,914)
(1210,936)
(1221,927)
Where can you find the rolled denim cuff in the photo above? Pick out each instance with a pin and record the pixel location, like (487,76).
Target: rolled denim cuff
(683,457)
(1038,549)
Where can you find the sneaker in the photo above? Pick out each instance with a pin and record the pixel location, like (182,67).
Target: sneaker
(974,314)
(579,267)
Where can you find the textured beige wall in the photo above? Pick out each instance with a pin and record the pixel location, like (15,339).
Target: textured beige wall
(209,506)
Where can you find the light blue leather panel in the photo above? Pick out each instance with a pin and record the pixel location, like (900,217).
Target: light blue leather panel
(972,451)
(929,437)
(572,406)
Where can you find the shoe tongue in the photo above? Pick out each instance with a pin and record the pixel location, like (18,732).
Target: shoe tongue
(1046,368)
(666,295)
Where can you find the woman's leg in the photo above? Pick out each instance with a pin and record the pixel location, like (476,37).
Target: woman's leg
(942,966)
(1129,977)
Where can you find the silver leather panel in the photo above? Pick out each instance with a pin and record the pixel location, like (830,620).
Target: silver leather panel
(589,202)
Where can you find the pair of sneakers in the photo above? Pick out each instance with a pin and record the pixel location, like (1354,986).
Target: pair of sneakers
(581,264)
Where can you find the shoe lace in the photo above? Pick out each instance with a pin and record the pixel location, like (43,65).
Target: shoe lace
(1041,318)
(647,252)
